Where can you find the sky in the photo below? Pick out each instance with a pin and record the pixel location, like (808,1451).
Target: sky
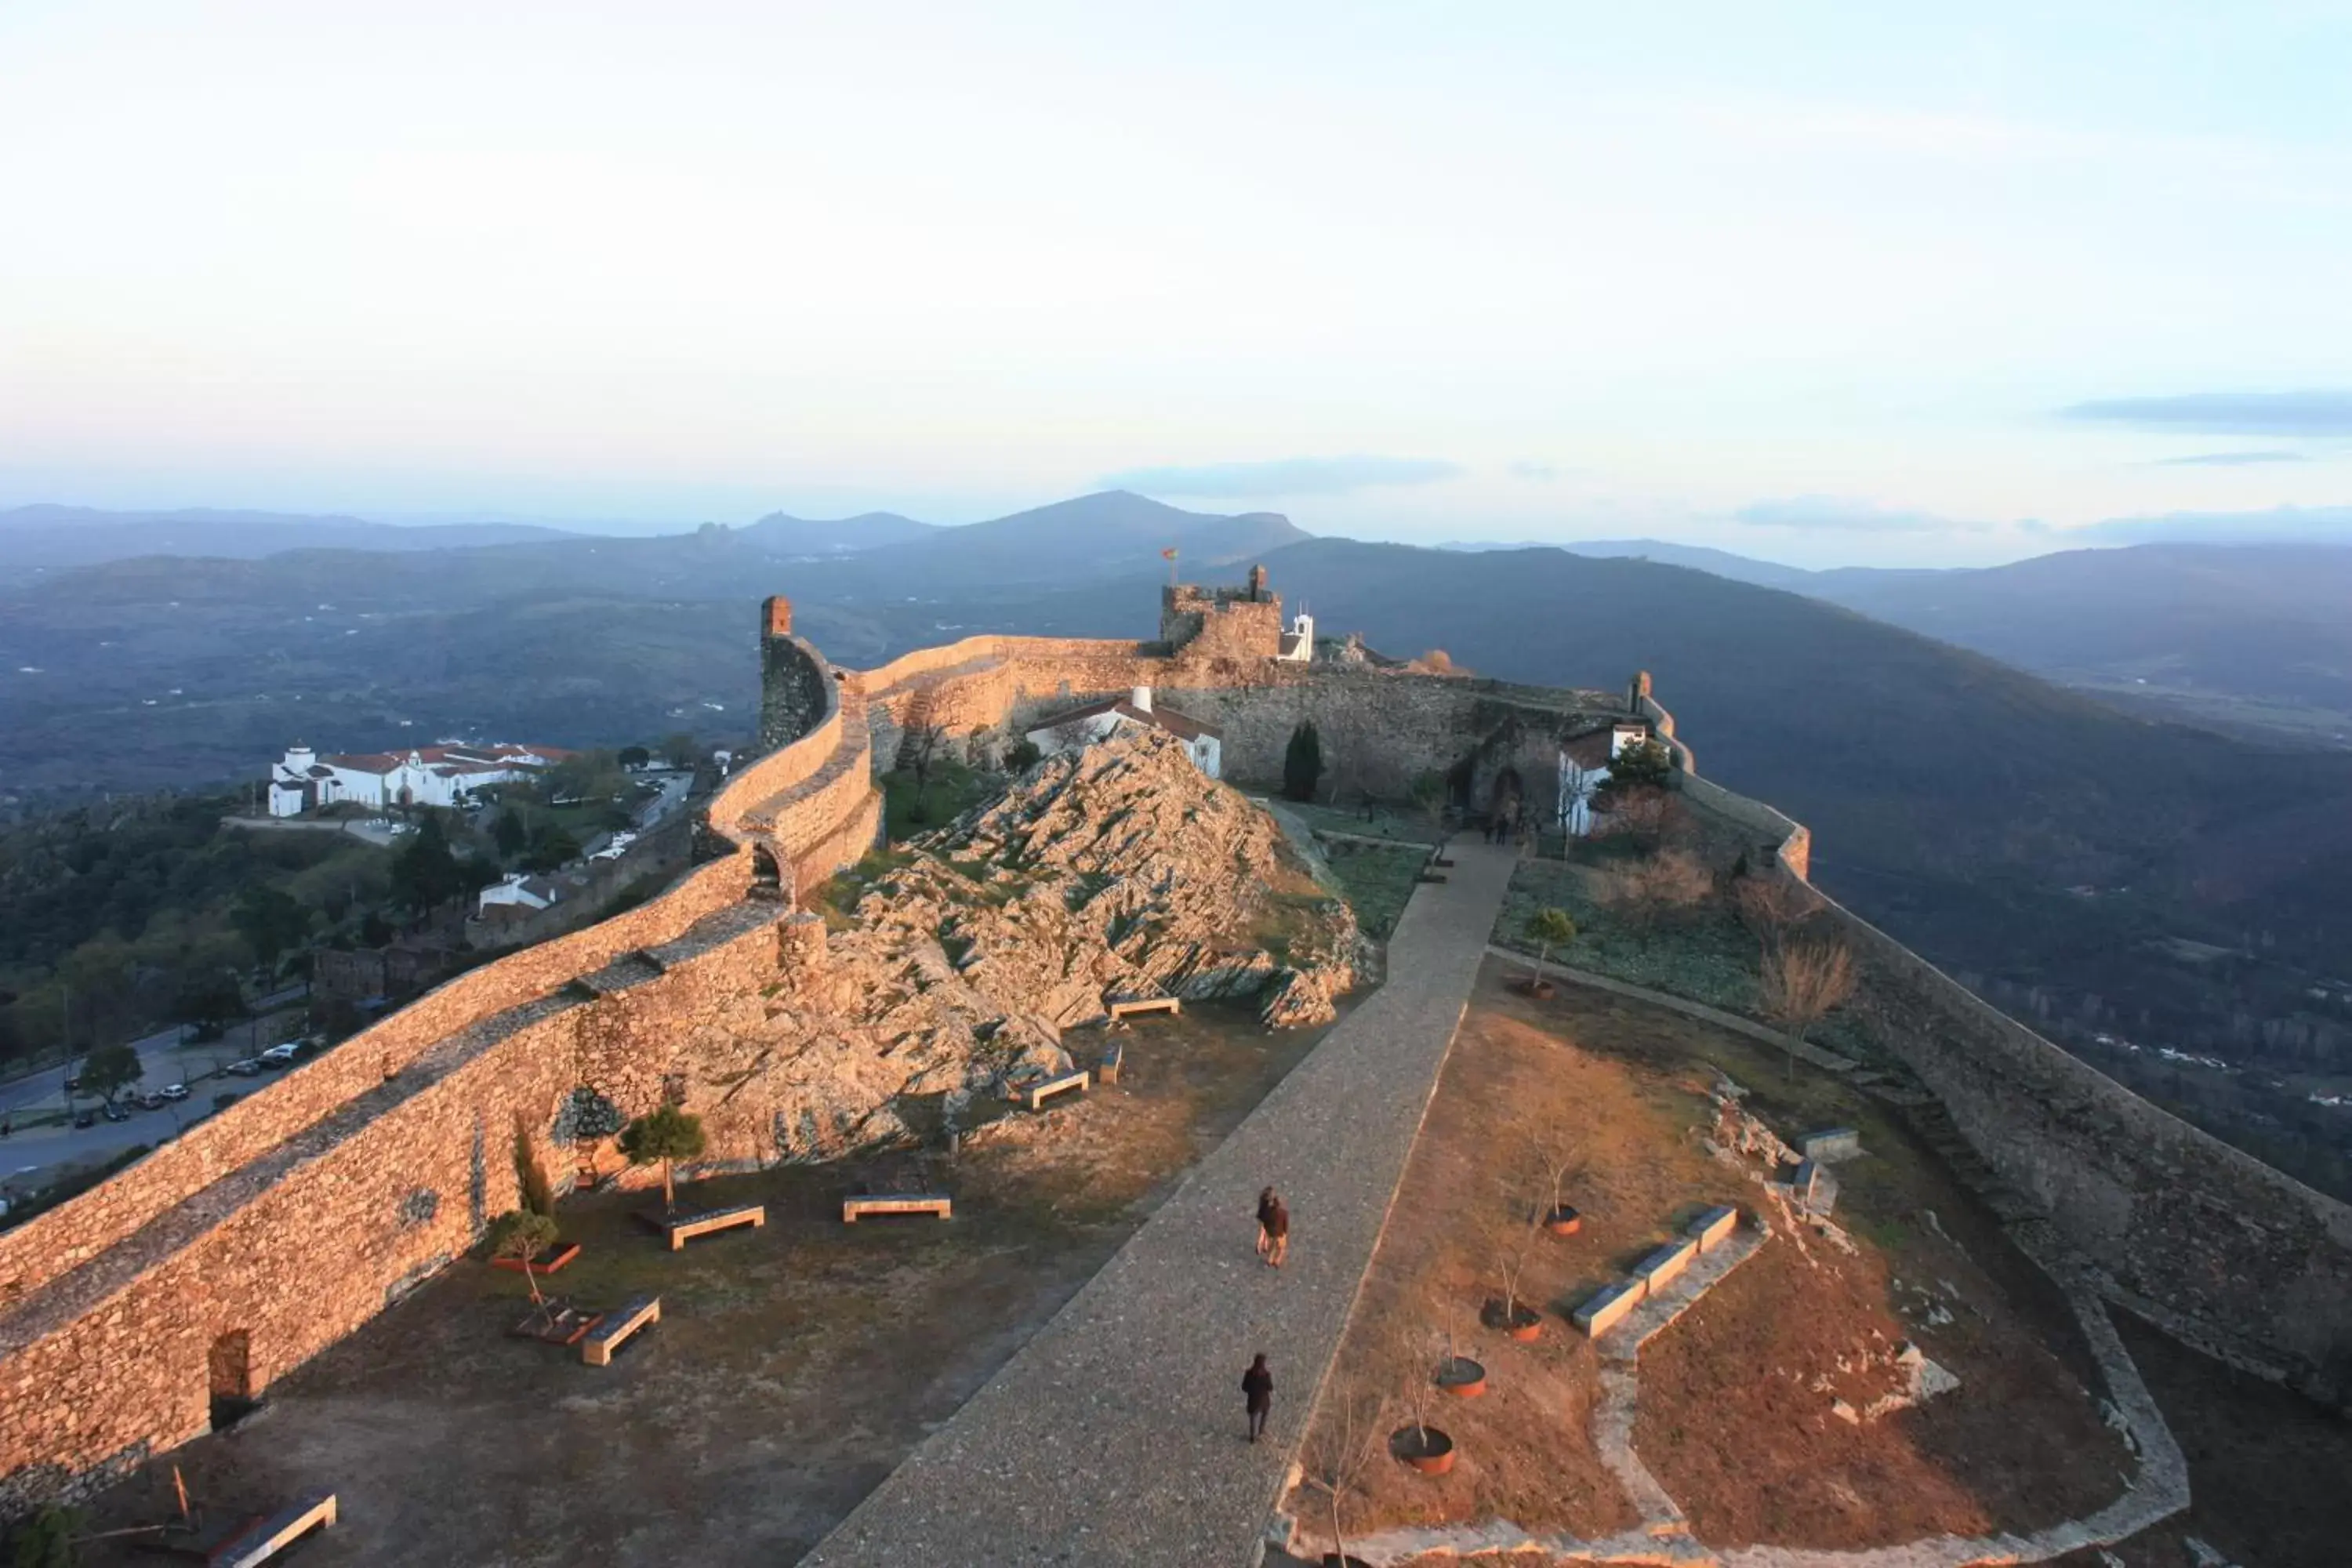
(1819,283)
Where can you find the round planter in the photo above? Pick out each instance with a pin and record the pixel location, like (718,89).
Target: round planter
(1564,1221)
(1425,1448)
(1462,1377)
(1541,990)
(1524,1324)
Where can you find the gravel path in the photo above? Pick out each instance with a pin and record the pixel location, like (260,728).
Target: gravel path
(1115,1436)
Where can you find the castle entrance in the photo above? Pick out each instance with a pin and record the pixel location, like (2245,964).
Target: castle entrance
(767,876)
(1508,792)
(230,1372)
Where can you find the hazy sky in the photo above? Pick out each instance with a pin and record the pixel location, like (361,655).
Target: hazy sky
(1816,282)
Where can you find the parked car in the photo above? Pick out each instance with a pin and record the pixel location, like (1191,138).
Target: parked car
(73,1082)
(175,1091)
(150,1100)
(281,1056)
(116,1113)
(84,1119)
(249,1067)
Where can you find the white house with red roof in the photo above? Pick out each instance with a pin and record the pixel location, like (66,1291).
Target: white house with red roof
(447,774)
(1099,721)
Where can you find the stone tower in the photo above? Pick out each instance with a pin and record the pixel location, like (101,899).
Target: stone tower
(792,679)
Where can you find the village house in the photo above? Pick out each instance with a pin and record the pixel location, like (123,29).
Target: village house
(446,776)
(1099,721)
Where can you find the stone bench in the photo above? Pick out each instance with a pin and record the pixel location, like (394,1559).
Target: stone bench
(1106,1069)
(267,1538)
(1035,1095)
(855,1208)
(606,1337)
(1608,1306)
(1662,1266)
(1128,1009)
(1713,1228)
(683,1229)
(1831,1144)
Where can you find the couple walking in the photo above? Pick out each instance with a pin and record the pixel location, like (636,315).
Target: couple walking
(1273,1245)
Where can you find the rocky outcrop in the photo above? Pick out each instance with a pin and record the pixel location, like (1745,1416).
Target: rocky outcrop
(939,975)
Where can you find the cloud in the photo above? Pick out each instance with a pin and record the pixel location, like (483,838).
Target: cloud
(1525,470)
(2280,525)
(1837,515)
(2229,460)
(1284,476)
(2318,411)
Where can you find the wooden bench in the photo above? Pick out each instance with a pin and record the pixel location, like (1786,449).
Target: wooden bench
(853,1208)
(606,1337)
(1128,1009)
(1035,1095)
(1106,1069)
(267,1538)
(683,1229)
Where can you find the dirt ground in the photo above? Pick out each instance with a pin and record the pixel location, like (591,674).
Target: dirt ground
(1737,1418)
(794,1367)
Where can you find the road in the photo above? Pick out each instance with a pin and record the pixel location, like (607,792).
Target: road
(165,1061)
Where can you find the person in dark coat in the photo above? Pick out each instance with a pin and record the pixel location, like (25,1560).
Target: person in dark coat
(1266,1204)
(1277,1233)
(1257,1392)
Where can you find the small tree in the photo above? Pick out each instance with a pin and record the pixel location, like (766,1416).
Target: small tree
(1771,907)
(108,1070)
(1302,763)
(45,1540)
(1805,978)
(1647,891)
(634,756)
(1350,1428)
(508,832)
(1022,755)
(1549,928)
(1429,794)
(537,1192)
(522,1234)
(664,1137)
(1644,763)
(921,749)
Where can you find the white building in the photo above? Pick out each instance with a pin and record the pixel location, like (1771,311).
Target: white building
(519,893)
(446,776)
(1298,642)
(1099,721)
(1584,768)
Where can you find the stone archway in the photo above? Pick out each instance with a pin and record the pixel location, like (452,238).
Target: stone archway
(766,875)
(229,1378)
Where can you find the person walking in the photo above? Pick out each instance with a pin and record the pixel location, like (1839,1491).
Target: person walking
(1266,1204)
(1257,1394)
(1277,1231)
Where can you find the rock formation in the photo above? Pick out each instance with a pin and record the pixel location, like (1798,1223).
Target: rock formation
(947,970)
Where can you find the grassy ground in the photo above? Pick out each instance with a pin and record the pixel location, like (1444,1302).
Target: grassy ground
(1735,1408)
(1383,822)
(794,1367)
(949,791)
(1378,881)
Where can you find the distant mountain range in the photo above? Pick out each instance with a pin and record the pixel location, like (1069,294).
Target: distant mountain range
(38,539)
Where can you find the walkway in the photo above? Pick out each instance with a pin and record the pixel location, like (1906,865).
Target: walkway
(1115,1434)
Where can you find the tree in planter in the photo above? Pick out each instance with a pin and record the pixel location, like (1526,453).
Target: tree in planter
(523,1235)
(109,1069)
(1564,1165)
(1349,1429)
(1805,978)
(1549,928)
(1512,1242)
(664,1137)
(530,1177)
(1302,763)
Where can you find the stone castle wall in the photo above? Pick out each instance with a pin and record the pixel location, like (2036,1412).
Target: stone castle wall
(397,1144)
(2228,1255)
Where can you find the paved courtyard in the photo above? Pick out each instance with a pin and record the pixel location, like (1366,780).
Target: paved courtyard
(1117,1434)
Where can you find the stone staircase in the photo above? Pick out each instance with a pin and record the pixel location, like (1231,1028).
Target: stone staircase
(1933,1125)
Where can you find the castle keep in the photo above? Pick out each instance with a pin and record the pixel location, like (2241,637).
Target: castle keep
(200,1274)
